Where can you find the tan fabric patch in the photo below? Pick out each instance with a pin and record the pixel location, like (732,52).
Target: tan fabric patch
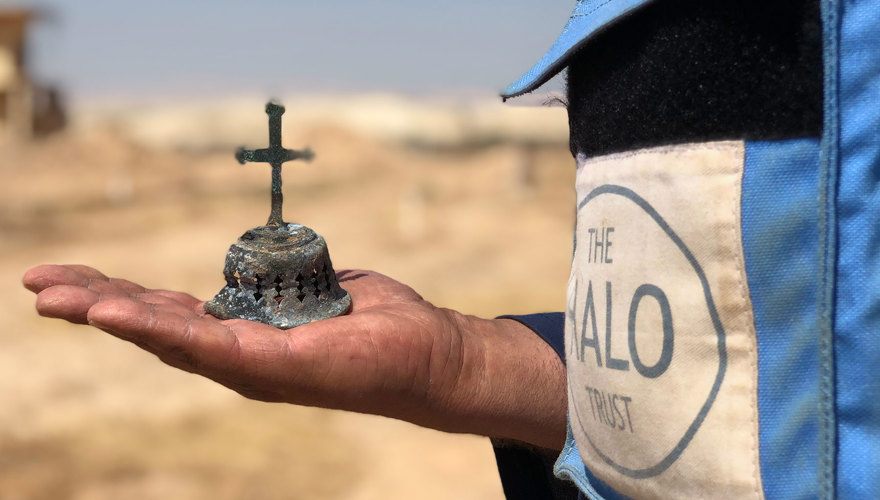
(660,337)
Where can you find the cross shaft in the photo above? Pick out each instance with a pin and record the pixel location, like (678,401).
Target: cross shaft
(276,156)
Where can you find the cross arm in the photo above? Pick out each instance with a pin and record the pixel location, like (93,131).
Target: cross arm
(272,155)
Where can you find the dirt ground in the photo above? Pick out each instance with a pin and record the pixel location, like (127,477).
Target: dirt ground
(486,230)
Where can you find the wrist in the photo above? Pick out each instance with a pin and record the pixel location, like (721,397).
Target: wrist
(512,383)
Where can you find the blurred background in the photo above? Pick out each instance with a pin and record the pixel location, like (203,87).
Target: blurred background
(118,122)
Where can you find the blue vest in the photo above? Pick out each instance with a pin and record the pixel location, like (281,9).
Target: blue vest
(801,339)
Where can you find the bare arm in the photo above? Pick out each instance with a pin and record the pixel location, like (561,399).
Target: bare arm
(395,354)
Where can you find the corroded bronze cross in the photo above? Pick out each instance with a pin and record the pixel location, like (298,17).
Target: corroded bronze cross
(274,155)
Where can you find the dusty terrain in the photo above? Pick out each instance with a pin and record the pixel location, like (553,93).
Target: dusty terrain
(484,228)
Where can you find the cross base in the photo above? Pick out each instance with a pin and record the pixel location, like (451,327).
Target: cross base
(281,276)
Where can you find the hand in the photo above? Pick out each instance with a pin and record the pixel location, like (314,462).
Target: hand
(395,354)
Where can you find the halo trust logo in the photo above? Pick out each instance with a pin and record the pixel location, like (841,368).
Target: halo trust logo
(646,348)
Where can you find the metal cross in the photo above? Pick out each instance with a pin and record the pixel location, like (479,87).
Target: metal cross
(274,155)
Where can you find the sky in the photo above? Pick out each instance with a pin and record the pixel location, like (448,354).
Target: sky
(150,48)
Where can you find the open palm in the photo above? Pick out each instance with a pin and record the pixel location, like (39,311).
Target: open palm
(395,354)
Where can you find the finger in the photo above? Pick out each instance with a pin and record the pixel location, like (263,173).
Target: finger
(203,345)
(181,297)
(87,271)
(97,284)
(368,289)
(45,276)
(41,277)
(167,304)
(104,287)
(97,278)
(351,274)
(126,285)
(360,281)
(66,302)
(115,286)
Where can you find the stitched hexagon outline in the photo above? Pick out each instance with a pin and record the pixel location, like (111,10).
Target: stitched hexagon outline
(679,448)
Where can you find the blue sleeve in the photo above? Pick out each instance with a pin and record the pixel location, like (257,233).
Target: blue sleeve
(527,472)
(548,326)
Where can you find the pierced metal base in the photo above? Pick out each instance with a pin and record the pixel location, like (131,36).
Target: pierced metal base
(281,276)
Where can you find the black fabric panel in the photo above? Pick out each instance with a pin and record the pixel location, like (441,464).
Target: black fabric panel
(694,70)
(527,474)
(548,326)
